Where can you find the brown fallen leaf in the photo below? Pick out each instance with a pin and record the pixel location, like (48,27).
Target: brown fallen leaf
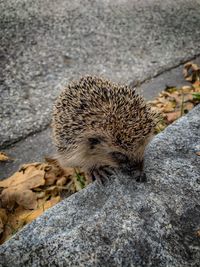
(198,153)
(191,72)
(54,167)
(4,157)
(187,107)
(173,102)
(34,188)
(12,226)
(160,127)
(30,177)
(172,116)
(196,86)
(176,97)
(25,198)
(28,199)
(37,165)
(3,219)
(17,187)
(186,89)
(170,89)
(62,181)
(169,106)
(53,190)
(198,233)
(32,215)
(50,178)
(188,97)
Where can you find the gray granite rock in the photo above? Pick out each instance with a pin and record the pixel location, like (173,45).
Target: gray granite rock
(125,223)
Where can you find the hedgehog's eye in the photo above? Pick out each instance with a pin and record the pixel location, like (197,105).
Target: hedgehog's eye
(93,141)
(120,157)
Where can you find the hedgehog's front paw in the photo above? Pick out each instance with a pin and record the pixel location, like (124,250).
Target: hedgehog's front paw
(101,174)
(135,170)
(142,178)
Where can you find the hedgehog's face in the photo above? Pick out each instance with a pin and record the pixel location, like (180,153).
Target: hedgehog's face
(94,151)
(100,151)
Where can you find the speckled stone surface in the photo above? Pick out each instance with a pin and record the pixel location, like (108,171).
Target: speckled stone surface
(125,223)
(44,42)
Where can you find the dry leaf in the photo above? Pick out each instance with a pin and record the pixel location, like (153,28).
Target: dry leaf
(37,165)
(187,106)
(68,172)
(50,178)
(8,198)
(3,219)
(53,190)
(54,167)
(62,181)
(30,177)
(191,72)
(169,106)
(32,190)
(174,102)
(176,97)
(27,218)
(170,89)
(17,187)
(198,153)
(186,89)
(14,223)
(172,116)
(196,86)
(4,157)
(28,199)
(198,233)
(25,198)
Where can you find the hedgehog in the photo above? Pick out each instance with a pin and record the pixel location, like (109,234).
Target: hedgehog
(102,127)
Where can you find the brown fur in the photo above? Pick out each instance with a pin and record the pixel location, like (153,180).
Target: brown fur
(97,108)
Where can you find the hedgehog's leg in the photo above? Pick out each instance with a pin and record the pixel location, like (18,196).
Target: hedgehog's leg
(135,170)
(101,174)
(140,175)
(141,178)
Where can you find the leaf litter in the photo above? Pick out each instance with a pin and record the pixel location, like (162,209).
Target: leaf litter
(4,157)
(35,187)
(31,190)
(173,102)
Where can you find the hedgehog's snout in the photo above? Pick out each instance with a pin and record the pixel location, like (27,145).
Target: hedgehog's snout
(135,169)
(131,170)
(126,165)
(123,161)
